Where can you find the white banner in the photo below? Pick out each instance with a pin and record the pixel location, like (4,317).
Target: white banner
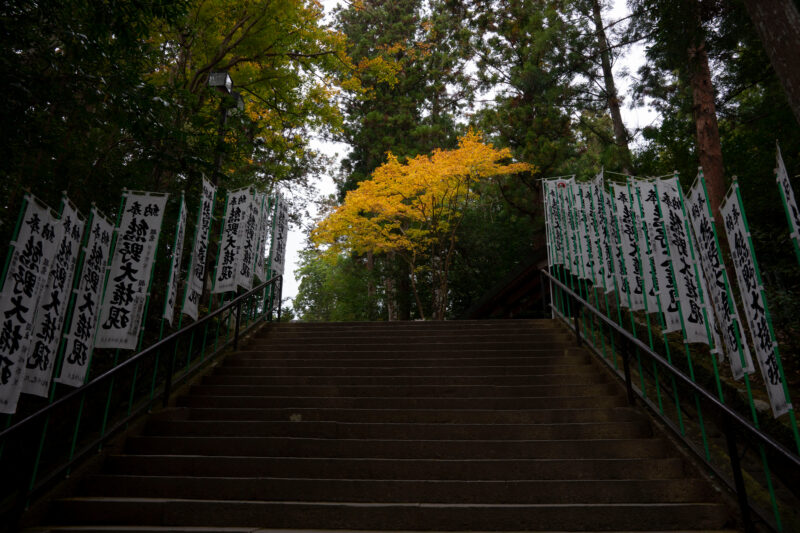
(248,237)
(620,278)
(557,230)
(588,242)
(682,254)
(175,267)
(605,253)
(279,234)
(134,254)
(646,249)
(229,255)
(263,224)
(663,265)
(197,272)
(53,305)
(36,246)
(629,243)
(753,300)
(716,277)
(790,203)
(79,340)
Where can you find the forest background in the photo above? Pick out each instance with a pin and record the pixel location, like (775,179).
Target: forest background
(102,96)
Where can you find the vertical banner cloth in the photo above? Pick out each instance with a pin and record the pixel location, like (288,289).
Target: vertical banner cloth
(126,295)
(717,281)
(789,201)
(588,242)
(231,244)
(647,256)
(602,233)
(557,236)
(247,255)
(197,272)
(753,300)
(629,245)
(620,277)
(36,246)
(661,259)
(79,340)
(279,234)
(53,305)
(682,254)
(263,225)
(175,266)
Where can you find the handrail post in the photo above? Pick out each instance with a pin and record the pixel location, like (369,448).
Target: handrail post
(738,479)
(626,365)
(168,380)
(576,306)
(238,322)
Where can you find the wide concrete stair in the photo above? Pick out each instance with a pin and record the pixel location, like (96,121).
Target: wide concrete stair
(473,425)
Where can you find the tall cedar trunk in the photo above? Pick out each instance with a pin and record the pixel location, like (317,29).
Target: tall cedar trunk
(778,24)
(709,149)
(371,287)
(620,133)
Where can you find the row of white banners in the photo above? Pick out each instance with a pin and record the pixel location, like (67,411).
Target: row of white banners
(659,251)
(43,262)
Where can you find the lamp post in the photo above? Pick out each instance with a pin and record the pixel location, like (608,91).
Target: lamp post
(223,83)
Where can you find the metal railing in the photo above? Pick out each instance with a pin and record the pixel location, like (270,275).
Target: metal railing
(22,461)
(735,427)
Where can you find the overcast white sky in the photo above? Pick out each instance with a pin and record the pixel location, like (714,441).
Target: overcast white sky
(634,119)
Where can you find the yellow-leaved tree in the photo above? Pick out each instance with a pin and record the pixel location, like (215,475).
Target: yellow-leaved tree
(414,209)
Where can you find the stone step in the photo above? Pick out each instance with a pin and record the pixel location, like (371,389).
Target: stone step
(548,343)
(519,402)
(432,338)
(406,391)
(583,378)
(378,516)
(475,416)
(398,431)
(346,371)
(397,469)
(202,529)
(399,448)
(393,360)
(398,491)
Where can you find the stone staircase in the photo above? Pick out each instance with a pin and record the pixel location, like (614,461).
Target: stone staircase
(468,425)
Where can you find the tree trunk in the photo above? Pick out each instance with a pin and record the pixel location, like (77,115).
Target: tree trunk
(620,133)
(778,25)
(371,287)
(709,149)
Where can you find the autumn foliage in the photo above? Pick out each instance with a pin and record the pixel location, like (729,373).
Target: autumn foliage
(414,209)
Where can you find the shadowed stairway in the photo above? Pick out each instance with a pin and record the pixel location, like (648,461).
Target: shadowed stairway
(466,425)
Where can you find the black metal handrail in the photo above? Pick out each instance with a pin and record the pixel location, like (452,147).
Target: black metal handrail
(732,420)
(41,416)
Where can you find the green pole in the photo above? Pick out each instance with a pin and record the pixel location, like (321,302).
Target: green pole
(792,419)
(612,262)
(111,250)
(593,261)
(642,268)
(683,325)
(628,293)
(61,344)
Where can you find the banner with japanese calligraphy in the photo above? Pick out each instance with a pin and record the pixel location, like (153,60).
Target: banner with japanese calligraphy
(248,237)
(279,234)
(129,278)
(576,265)
(629,245)
(197,272)
(646,250)
(789,201)
(558,233)
(752,293)
(717,281)
(175,265)
(661,263)
(620,276)
(229,255)
(683,262)
(36,246)
(588,242)
(548,223)
(53,305)
(605,253)
(79,340)
(263,228)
